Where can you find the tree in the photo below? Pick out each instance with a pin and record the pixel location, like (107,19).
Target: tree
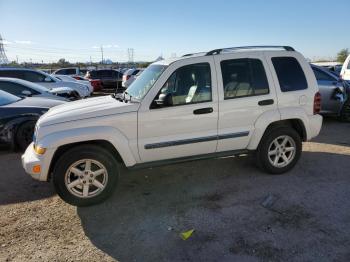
(63,62)
(342,55)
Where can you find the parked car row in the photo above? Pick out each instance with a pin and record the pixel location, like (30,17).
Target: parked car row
(108,78)
(18,116)
(35,76)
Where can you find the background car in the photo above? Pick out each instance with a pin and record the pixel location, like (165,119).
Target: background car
(44,79)
(18,117)
(345,70)
(334,93)
(22,88)
(129,77)
(110,78)
(70,71)
(77,79)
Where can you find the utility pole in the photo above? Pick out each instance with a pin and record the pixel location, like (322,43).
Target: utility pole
(17,59)
(102,53)
(3,57)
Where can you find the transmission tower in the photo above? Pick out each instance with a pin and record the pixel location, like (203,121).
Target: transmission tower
(3,57)
(131,55)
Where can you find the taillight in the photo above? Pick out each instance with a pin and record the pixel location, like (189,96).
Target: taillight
(317,103)
(127,77)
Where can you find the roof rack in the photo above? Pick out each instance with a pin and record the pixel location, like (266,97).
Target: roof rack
(218,51)
(191,54)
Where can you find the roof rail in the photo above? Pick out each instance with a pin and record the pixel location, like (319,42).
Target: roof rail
(218,51)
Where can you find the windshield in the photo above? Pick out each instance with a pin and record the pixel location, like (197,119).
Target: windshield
(6,98)
(139,88)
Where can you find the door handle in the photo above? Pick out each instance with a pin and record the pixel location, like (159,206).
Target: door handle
(265,102)
(202,111)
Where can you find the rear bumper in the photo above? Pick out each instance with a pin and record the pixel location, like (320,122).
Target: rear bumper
(315,124)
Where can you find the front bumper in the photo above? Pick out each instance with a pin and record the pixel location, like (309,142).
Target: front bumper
(31,159)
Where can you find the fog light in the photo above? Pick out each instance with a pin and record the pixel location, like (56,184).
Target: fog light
(36,169)
(39,150)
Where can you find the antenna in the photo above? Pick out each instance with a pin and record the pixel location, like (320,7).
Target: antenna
(3,57)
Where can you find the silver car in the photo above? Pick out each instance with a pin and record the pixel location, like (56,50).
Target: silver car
(22,88)
(334,93)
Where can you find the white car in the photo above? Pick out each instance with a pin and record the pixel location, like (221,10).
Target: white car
(129,77)
(22,88)
(81,80)
(44,79)
(71,71)
(219,103)
(345,70)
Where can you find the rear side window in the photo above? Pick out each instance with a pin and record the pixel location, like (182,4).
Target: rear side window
(12,73)
(243,77)
(290,75)
(15,89)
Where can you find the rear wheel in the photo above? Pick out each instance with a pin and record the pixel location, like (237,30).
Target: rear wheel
(279,150)
(85,175)
(24,135)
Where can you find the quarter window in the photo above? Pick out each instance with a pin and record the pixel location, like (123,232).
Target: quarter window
(289,73)
(187,85)
(243,77)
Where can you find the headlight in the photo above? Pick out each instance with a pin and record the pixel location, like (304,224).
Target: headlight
(39,150)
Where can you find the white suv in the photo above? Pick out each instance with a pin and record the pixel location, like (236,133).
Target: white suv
(225,102)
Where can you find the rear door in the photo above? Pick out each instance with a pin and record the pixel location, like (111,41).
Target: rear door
(245,93)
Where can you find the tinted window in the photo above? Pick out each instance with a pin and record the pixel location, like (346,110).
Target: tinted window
(188,84)
(33,76)
(12,73)
(243,77)
(290,74)
(71,71)
(135,72)
(15,89)
(104,73)
(322,76)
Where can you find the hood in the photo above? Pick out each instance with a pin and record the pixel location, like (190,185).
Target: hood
(85,109)
(36,102)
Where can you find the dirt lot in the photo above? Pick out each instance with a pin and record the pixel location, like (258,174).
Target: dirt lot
(238,212)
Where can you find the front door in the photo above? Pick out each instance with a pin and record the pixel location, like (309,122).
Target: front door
(179,118)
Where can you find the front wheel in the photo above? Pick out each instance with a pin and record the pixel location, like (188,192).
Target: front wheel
(279,150)
(85,175)
(24,135)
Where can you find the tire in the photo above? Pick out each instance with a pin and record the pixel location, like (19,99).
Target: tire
(70,186)
(267,162)
(345,112)
(24,135)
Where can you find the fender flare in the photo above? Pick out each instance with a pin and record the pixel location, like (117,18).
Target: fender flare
(54,140)
(269,117)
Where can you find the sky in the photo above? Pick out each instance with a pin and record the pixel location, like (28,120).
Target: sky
(47,30)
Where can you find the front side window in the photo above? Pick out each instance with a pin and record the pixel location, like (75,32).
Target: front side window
(187,85)
(290,75)
(243,77)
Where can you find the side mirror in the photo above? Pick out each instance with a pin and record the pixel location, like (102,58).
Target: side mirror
(164,100)
(47,79)
(26,93)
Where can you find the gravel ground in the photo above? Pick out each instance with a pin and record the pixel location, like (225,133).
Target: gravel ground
(238,212)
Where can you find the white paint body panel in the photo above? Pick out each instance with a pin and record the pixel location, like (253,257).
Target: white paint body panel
(129,127)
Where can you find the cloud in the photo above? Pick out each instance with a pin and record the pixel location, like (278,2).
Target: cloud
(95,47)
(5,42)
(24,42)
